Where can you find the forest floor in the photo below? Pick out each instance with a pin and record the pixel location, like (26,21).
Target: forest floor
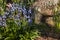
(48,33)
(49,37)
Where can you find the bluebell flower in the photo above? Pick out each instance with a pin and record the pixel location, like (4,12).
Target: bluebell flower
(19,11)
(24,12)
(30,11)
(12,9)
(6,13)
(15,6)
(4,20)
(4,17)
(29,20)
(24,8)
(27,16)
(3,23)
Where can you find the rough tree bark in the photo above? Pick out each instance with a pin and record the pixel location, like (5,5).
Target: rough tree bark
(44,11)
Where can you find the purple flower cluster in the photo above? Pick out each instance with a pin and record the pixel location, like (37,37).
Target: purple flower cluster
(2,20)
(10,14)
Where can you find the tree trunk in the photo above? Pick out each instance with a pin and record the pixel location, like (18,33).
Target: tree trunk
(44,10)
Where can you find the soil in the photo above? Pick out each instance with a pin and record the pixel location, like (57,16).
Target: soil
(51,35)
